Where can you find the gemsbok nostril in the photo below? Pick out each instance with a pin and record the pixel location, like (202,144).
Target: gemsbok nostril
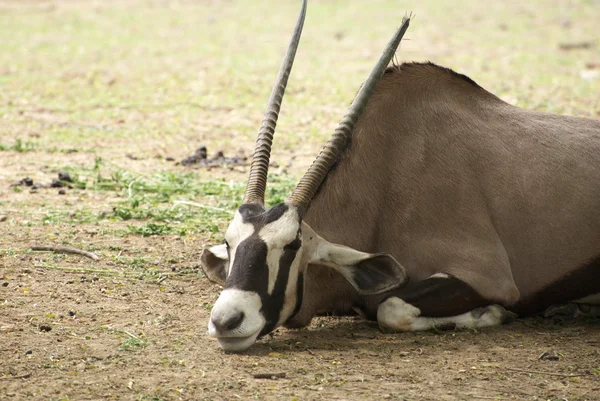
(228,323)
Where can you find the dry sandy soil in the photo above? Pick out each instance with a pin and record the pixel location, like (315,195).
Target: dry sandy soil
(84,81)
(70,335)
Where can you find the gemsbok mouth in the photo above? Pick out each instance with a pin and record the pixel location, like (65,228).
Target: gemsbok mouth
(236,344)
(235,320)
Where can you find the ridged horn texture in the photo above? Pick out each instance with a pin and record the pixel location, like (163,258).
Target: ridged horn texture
(257,180)
(312,179)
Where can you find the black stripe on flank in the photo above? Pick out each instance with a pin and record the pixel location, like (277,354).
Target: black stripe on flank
(439,297)
(581,283)
(434,296)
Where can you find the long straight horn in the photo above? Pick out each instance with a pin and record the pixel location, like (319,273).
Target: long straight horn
(312,179)
(257,181)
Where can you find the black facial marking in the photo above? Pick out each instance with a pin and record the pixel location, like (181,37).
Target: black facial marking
(275,213)
(256,215)
(273,305)
(299,294)
(295,244)
(250,271)
(249,210)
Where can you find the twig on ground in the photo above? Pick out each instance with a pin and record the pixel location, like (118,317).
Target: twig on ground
(60,249)
(547,373)
(269,375)
(25,376)
(489,389)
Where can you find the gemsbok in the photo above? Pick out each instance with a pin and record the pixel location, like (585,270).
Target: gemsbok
(434,204)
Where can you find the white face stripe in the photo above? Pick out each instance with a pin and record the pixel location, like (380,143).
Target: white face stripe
(282,231)
(273,258)
(276,235)
(289,303)
(237,232)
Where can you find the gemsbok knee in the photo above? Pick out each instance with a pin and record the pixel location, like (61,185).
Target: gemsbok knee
(434,204)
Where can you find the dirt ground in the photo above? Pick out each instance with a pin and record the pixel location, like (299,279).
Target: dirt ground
(76,329)
(130,83)
(68,335)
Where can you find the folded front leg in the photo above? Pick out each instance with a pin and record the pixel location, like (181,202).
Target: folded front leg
(440,301)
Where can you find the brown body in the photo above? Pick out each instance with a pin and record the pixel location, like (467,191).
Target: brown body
(434,204)
(448,178)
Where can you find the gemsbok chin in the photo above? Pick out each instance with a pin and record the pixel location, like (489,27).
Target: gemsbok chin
(434,204)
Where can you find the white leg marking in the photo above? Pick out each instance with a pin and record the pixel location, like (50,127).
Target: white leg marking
(396,315)
(492,315)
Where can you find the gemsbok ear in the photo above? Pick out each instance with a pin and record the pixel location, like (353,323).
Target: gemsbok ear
(369,273)
(214,263)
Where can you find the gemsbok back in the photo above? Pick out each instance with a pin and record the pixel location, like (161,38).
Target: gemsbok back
(434,204)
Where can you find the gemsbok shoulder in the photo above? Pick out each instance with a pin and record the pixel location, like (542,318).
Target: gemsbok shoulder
(434,204)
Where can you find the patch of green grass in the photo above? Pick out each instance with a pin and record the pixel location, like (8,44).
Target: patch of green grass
(165,202)
(136,262)
(81,215)
(19,146)
(104,79)
(149,229)
(133,344)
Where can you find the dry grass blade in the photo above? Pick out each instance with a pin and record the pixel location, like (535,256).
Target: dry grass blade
(25,376)
(73,251)
(538,372)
